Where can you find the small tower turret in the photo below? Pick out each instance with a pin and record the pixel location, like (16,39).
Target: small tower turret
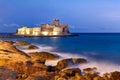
(56,22)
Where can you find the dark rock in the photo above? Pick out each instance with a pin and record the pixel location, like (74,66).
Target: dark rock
(7,74)
(70,72)
(29,63)
(51,69)
(115,75)
(98,78)
(32,47)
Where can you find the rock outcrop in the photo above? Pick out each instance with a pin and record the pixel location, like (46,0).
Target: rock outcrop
(17,65)
(22,43)
(64,63)
(43,56)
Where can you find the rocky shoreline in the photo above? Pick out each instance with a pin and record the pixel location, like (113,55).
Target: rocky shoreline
(18,65)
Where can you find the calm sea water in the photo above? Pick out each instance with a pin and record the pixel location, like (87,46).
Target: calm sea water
(97,46)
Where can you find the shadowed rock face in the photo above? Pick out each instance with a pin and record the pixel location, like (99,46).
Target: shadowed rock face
(7,74)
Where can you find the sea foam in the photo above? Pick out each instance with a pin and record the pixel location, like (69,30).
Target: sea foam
(102,66)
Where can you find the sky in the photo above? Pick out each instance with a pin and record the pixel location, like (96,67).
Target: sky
(81,15)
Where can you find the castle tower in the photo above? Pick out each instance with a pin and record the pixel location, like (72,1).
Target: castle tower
(56,22)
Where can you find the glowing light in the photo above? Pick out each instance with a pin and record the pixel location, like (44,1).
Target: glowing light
(28,32)
(45,33)
(55,33)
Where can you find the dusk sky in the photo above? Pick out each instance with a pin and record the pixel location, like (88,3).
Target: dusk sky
(80,15)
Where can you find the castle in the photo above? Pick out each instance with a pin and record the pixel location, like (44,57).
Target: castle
(45,29)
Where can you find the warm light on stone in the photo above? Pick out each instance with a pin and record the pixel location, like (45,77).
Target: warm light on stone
(45,33)
(44,29)
(55,33)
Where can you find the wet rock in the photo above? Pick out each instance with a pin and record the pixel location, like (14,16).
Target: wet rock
(51,68)
(32,47)
(7,74)
(61,78)
(69,62)
(106,76)
(98,78)
(115,75)
(43,56)
(22,43)
(90,70)
(29,63)
(40,61)
(70,72)
(63,64)
(79,60)
(42,75)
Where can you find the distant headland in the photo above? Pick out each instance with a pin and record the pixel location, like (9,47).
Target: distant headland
(55,29)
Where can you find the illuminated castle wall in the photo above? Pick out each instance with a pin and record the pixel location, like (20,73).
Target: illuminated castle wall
(45,29)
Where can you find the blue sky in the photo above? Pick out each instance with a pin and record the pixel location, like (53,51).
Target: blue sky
(80,15)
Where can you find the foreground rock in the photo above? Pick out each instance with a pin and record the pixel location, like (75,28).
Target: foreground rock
(7,74)
(8,53)
(43,56)
(69,62)
(17,65)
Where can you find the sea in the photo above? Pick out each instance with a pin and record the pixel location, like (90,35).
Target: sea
(102,50)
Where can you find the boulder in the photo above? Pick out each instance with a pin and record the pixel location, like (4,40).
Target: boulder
(98,78)
(115,75)
(68,74)
(31,47)
(43,56)
(22,43)
(90,70)
(64,63)
(79,60)
(8,51)
(40,61)
(7,74)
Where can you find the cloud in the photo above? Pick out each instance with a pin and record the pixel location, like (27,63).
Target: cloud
(11,25)
(112,15)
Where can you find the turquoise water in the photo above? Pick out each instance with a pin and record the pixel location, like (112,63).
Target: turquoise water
(100,47)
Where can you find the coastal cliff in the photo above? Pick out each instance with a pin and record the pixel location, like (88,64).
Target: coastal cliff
(18,65)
